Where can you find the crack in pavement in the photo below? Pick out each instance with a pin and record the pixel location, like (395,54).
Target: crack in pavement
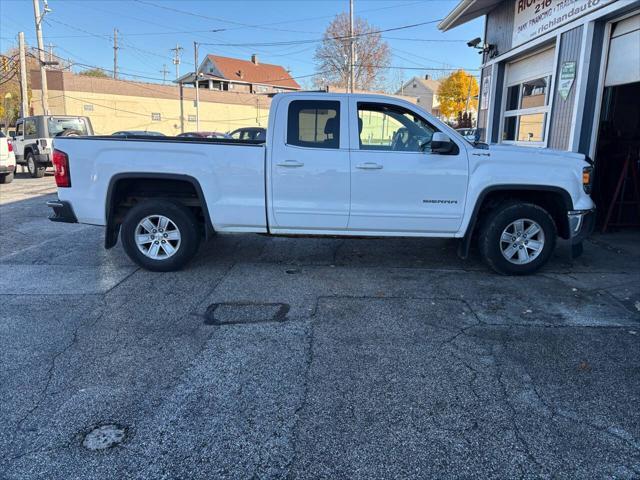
(52,364)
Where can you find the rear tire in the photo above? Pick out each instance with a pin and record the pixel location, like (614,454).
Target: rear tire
(8,178)
(35,169)
(517,238)
(160,235)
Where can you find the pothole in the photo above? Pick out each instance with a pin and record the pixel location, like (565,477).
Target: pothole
(245,312)
(104,436)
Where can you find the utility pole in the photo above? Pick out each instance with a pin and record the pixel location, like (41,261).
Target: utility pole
(24,106)
(196,77)
(352,49)
(43,73)
(164,73)
(115,53)
(177,52)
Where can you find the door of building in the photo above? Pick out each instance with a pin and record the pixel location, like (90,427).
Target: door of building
(618,147)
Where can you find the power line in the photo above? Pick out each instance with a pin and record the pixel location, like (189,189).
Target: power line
(425,40)
(217,19)
(338,37)
(284,22)
(108,70)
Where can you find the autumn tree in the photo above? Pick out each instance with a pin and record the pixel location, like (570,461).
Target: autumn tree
(95,72)
(457,93)
(10,94)
(332,55)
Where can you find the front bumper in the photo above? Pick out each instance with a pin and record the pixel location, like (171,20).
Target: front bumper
(62,212)
(581,224)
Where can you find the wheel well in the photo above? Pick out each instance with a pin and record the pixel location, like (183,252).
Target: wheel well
(554,202)
(126,192)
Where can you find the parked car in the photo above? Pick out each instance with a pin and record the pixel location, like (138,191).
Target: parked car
(147,133)
(468,133)
(203,135)
(7,159)
(250,133)
(33,138)
(334,164)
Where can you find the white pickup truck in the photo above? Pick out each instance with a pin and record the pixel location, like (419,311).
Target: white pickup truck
(333,164)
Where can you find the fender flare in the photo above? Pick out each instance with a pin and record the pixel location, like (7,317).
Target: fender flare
(465,242)
(112,229)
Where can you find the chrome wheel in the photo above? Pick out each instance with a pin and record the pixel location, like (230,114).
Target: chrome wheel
(157,237)
(522,241)
(31,165)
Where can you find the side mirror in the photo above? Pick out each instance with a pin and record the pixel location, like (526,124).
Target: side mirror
(441,143)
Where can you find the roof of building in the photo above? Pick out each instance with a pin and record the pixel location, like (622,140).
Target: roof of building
(235,69)
(465,11)
(428,83)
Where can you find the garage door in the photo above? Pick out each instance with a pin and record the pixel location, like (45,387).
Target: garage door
(624,53)
(534,66)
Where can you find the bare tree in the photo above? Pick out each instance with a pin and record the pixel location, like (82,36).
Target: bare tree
(372,55)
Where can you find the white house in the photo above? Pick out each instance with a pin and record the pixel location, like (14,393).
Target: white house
(425,91)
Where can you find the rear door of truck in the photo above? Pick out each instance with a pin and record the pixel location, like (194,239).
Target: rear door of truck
(309,164)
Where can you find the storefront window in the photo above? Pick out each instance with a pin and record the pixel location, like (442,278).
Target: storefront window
(526,109)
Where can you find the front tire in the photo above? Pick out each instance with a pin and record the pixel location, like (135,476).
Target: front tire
(517,238)
(160,235)
(35,169)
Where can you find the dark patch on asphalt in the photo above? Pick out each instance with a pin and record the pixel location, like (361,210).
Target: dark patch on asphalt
(292,271)
(232,313)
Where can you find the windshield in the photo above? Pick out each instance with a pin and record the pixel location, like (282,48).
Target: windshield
(58,125)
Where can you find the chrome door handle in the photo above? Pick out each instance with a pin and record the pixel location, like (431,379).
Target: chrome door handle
(290,163)
(369,166)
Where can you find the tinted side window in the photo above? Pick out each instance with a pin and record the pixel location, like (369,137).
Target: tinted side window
(19,129)
(314,124)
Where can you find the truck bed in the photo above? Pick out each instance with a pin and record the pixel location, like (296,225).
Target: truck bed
(229,173)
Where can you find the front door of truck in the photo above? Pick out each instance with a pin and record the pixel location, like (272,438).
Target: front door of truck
(310,165)
(397,184)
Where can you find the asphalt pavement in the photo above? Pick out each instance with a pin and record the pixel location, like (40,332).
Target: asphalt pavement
(311,358)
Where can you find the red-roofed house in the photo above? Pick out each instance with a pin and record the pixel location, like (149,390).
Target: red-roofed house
(233,74)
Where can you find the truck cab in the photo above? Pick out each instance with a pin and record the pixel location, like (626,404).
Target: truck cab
(336,163)
(33,138)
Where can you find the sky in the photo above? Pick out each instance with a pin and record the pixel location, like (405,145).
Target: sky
(149,29)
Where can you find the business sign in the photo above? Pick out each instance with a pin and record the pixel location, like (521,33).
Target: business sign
(537,17)
(567,76)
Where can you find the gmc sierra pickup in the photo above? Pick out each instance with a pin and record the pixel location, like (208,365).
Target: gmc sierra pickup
(332,164)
